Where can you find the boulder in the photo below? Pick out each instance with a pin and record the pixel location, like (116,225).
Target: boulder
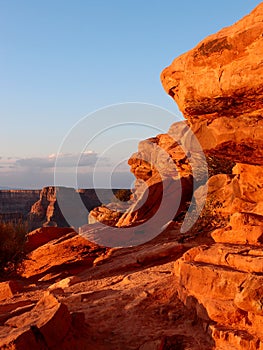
(45,326)
(64,283)
(230,293)
(71,253)
(108,215)
(222,75)
(8,289)
(43,235)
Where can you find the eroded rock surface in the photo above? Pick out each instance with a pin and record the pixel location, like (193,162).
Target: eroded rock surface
(71,252)
(164,181)
(125,298)
(218,87)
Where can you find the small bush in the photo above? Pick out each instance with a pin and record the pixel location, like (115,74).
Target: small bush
(213,166)
(123,195)
(12,240)
(218,165)
(210,217)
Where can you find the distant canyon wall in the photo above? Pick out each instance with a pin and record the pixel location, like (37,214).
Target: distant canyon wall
(16,204)
(40,207)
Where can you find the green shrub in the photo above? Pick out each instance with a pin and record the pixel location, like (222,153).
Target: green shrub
(12,240)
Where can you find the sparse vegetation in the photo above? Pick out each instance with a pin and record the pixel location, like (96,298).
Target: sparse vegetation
(214,165)
(210,217)
(12,240)
(122,195)
(218,165)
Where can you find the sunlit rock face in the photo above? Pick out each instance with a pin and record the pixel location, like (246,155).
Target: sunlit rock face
(218,86)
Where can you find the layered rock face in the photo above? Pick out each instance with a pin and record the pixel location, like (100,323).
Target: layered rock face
(16,204)
(219,88)
(40,207)
(175,291)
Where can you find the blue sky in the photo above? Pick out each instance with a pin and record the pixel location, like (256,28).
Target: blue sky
(61,60)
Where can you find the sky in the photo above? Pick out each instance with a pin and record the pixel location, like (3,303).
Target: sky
(69,70)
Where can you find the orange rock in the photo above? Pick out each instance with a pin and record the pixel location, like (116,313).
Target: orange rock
(218,87)
(249,297)
(222,74)
(162,200)
(108,215)
(43,327)
(243,228)
(65,283)
(227,338)
(218,282)
(68,253)
(44,235)
(163,170)
(8,289)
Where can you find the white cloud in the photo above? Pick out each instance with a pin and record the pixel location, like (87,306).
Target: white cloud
(63,160)
(37,172)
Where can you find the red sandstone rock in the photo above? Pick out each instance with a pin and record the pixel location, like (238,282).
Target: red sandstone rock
(249,297)
(218,87)
(108,215)
(43,327)
(222,74)
(8,289)
(43,235)
(64,283)
(68,253)
(216,282)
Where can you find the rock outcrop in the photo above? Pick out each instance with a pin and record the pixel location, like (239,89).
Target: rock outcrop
(44,327)
(40,207)
(43,235)
(164,182)
(60,250)
(8,289)
(218,87)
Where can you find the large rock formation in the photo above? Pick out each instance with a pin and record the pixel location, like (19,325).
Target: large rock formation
(164,182)
(60,250)
(219,88)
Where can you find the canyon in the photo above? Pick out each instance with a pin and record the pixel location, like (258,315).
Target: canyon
(40,207)
(190,275)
